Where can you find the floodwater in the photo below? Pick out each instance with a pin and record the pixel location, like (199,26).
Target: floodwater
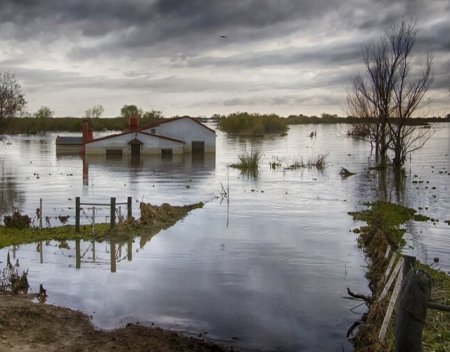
(264,269)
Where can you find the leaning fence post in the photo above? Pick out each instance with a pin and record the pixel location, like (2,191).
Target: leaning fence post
(412,311)
(77,214)
(408,264)
(129,209)
(112,213)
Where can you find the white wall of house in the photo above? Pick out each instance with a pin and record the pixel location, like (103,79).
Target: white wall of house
(187,130)
(151,145)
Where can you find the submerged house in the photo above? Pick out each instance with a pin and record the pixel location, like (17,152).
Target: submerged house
(169,137)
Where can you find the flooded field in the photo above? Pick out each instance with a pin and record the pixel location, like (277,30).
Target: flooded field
(265,269)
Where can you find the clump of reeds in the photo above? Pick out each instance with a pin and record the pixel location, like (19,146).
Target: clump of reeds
(318,162)
(276,163)
(248,163)
(10,279)
(296,165)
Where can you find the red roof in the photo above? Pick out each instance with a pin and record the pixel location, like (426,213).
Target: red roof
(134,131)
(156,124)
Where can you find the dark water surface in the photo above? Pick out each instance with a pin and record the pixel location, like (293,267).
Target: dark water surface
(266,270)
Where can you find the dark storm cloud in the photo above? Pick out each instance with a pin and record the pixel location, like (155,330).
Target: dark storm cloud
(171,26)
(165,18)
(177,46)
(41,80)
(316,55)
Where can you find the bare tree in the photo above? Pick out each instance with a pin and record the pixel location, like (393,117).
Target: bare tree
(389,95)
(12,100)
(95,112)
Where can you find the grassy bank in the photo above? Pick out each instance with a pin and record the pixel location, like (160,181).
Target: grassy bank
(153,219)
(385,227)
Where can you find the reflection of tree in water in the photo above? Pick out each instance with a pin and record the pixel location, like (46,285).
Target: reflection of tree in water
(9,196)
(391,185)
(384,184)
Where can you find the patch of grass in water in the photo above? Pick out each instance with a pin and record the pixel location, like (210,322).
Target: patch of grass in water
(318,162)
(248,163)
(388,217)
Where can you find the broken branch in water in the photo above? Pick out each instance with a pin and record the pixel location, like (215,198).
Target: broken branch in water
(365,298)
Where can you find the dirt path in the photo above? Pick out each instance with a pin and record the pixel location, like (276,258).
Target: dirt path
(26,326)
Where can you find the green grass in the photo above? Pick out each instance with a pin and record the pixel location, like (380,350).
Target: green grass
(11,236)
(161,217)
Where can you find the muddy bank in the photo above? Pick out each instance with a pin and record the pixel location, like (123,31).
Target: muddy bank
(27,326)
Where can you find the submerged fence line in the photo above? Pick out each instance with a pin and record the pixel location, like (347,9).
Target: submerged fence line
(112,206)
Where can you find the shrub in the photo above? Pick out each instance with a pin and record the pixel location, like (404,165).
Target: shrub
(17,220)
(252,124)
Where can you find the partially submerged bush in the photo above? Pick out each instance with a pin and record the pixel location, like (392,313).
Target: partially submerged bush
(17,220)
(361,130)
(253,124)
(248,163)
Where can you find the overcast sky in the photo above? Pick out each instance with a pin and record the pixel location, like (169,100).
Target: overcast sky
(200,57)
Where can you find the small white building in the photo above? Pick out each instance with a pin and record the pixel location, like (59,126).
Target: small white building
(169,137)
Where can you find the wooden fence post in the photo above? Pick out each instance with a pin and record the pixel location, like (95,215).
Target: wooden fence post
(77,214)
(112,213)
(412,311)
(129,209)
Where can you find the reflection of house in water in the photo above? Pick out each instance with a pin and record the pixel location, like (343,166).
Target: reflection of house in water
(180,143)
(68,145)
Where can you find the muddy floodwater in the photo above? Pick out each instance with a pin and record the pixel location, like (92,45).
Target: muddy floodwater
(263,269)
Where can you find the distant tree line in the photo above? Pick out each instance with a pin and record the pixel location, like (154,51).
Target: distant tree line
(247,124)
(380,105)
